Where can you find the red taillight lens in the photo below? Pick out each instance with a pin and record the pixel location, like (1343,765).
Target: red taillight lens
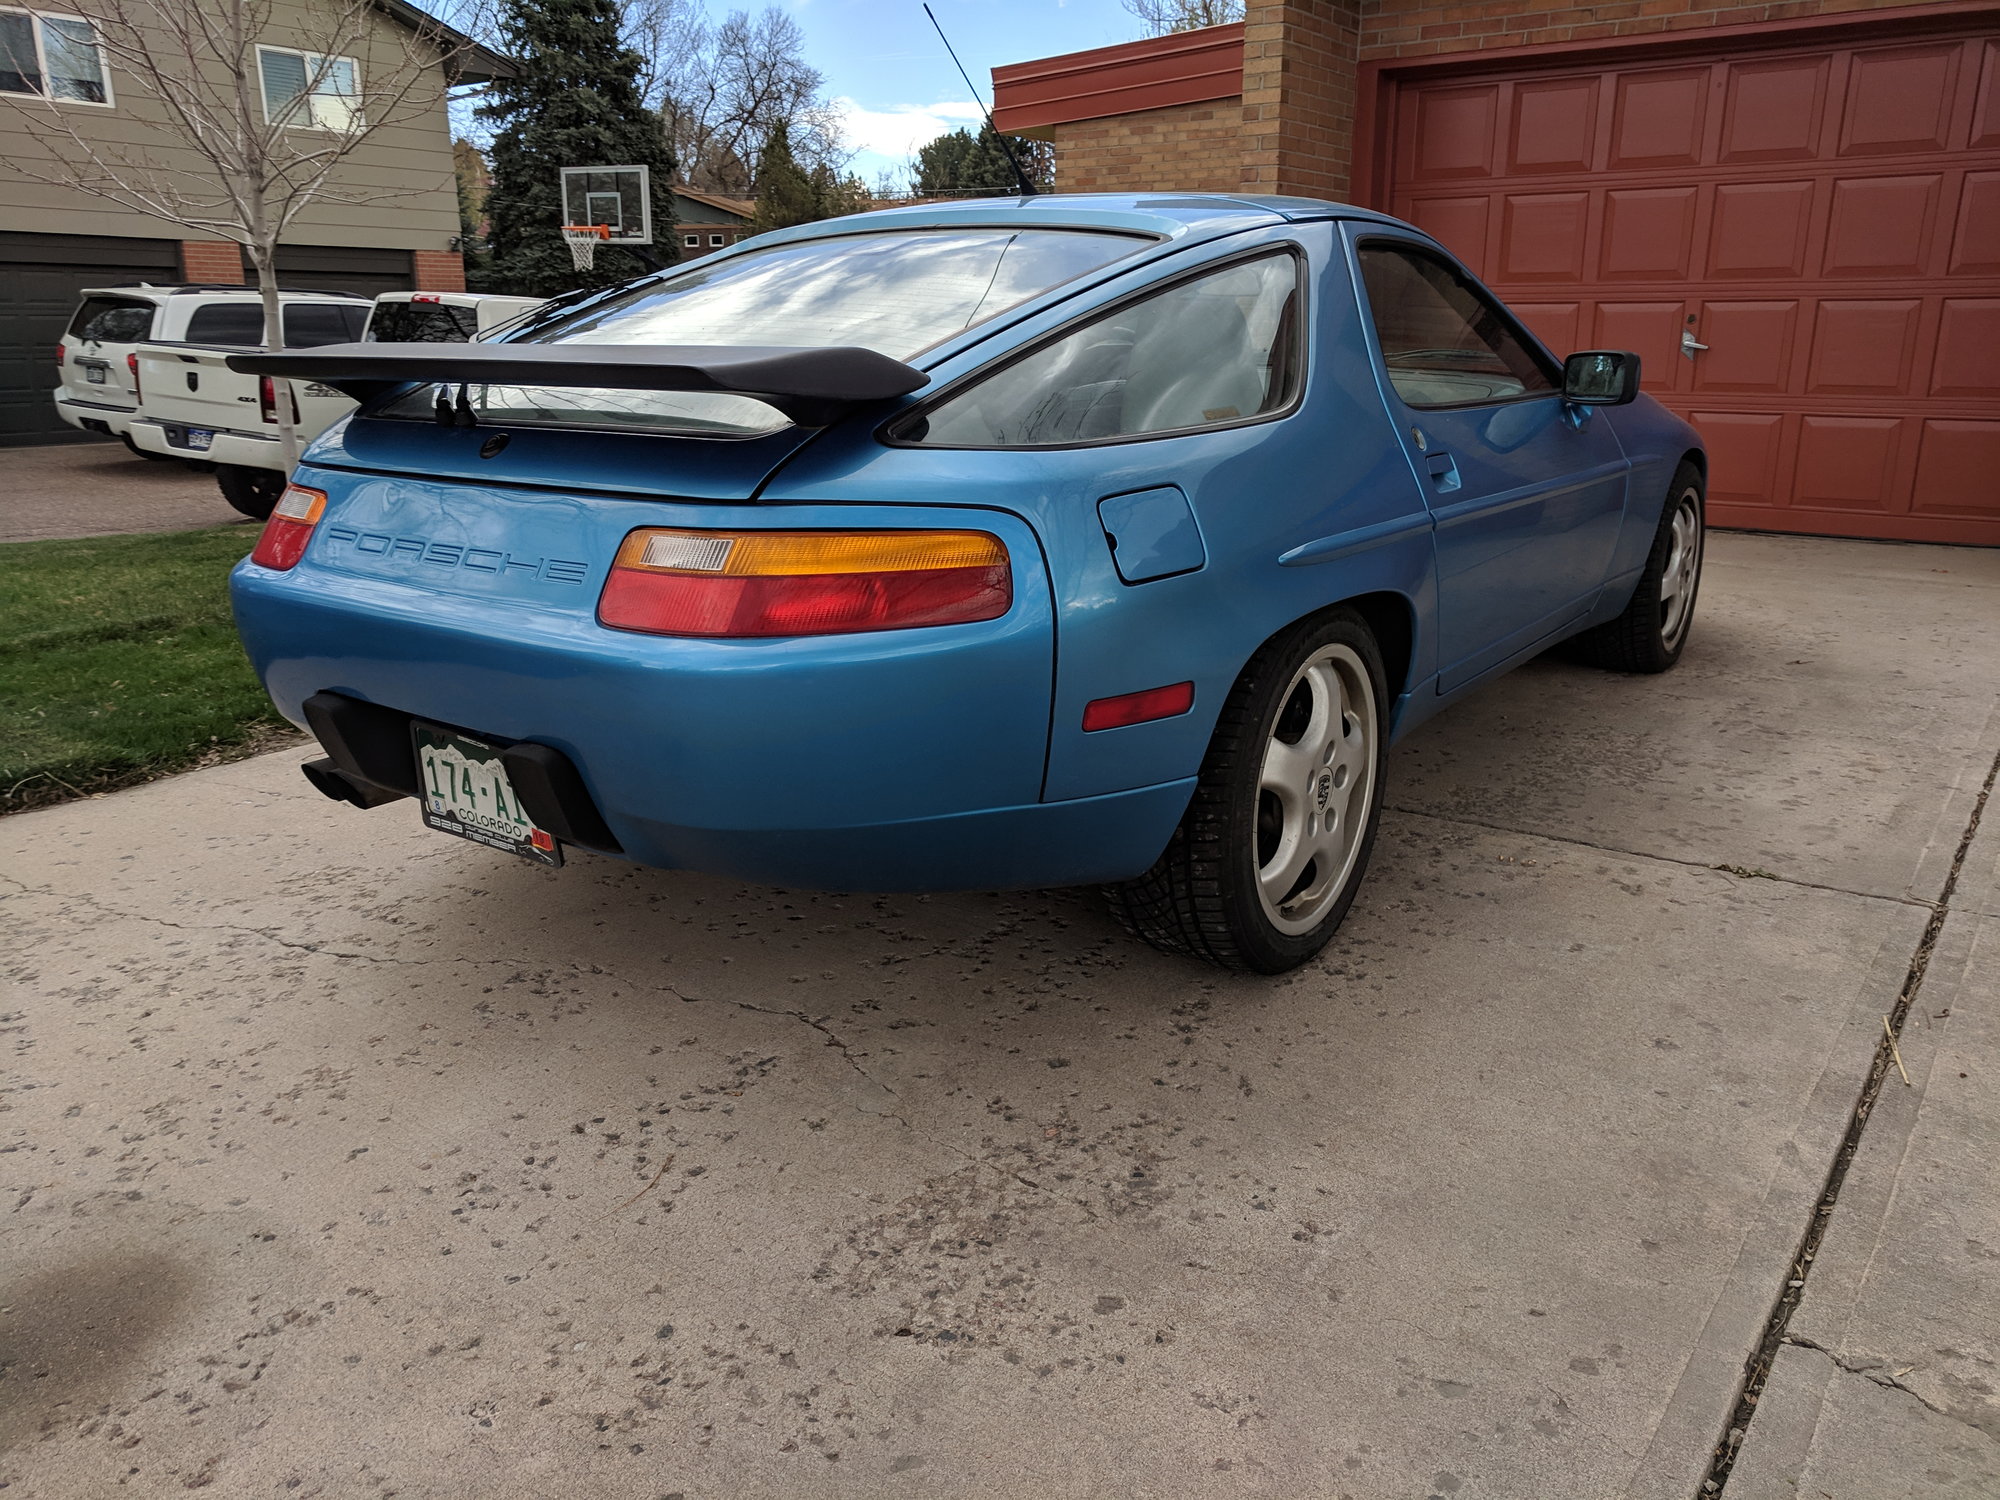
(132,369)
(61,355)
(766,583)
(290,528)
(1138,708)
(267,398)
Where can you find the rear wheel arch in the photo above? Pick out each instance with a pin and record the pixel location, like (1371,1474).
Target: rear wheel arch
(1390,617)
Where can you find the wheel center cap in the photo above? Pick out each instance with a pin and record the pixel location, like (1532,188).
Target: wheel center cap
(1322,790)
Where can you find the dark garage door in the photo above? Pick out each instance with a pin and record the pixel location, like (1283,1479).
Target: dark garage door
(41,277)
(1826,219)
(342,268)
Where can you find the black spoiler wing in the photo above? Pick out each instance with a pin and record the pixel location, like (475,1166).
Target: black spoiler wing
(810,386)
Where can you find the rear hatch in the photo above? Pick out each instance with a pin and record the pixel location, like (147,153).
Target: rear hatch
(105,329)
(184,385)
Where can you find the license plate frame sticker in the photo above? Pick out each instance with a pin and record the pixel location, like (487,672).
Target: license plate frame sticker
(464,790)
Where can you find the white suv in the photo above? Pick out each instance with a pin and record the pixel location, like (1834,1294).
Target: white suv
(95,359)
(441,317)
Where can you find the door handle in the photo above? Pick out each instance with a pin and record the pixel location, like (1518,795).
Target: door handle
(1688,346)
(1443,470)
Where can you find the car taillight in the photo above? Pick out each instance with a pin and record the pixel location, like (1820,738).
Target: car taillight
(1168,702)
(291,526)
(61,355)
(765,583)
(132,369)
(425,297)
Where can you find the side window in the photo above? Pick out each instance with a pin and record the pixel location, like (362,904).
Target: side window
(308,324)
(227,323)
(1218,349)
(1444,342)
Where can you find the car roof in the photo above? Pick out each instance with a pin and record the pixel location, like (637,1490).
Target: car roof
(184,289)
(1172,216)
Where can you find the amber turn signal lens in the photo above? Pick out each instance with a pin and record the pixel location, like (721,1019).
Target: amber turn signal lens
(291,526)
(770,583)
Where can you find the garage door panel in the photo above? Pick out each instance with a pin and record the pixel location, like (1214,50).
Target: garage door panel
(1956,465)
(1542,236)
(1749,346)
(1648,234)
(1774,109)
(1554,125)
(1864,346)
(1454,133)
(1459,224)
(1652,330)
(1986,100)
(1881,226)
(1760,229)
(1899,100)
(1745,455)
(1968,352)
(1851,463)
(1658,119)
(1554,323)
(1975,242)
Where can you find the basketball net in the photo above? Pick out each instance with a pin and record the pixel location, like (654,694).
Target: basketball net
(582,241)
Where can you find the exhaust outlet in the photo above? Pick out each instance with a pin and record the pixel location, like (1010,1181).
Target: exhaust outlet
(330,781)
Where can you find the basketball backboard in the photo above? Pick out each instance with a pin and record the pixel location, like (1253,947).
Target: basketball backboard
(620,198)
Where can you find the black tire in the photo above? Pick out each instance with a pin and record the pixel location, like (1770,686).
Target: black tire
(146,453)
(254,492)
(1654,628)
(1202,897)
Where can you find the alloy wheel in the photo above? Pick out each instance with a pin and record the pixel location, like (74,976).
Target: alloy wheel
(1315,788)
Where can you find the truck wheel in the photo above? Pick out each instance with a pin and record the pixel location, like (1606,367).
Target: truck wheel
(254,492)
(137,452)
(1650,634)
(1275,842)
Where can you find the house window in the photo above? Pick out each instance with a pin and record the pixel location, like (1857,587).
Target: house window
(715,239)
(51,57)
(310,90)
(691,241)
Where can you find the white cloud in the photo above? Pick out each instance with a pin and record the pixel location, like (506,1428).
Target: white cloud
(897,132)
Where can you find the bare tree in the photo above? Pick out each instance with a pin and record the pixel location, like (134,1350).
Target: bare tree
(1163,16)
(724,88)
(212,158)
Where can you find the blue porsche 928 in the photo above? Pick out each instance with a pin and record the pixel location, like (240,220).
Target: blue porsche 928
(1044,542)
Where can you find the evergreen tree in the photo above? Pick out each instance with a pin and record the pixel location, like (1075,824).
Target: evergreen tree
(575,103)
(785,192)
(963,163)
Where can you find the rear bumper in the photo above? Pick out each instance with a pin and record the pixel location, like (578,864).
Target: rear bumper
(250,452)
(904,760)
(88,416)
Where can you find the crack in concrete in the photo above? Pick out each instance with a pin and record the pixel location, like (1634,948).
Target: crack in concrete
(1670,859)
(1877,1375)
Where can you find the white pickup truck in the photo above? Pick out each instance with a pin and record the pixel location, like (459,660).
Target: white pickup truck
(192,405)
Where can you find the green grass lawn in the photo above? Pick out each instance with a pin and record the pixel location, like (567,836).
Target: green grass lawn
(119,662)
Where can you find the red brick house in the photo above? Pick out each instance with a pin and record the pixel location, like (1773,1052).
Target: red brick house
(1810,190)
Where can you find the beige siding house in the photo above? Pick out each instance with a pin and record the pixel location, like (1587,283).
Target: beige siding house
(391,225)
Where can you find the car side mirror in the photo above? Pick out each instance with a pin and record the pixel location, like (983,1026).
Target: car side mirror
(1601,377)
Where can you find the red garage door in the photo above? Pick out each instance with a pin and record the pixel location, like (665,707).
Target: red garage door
(1825,219)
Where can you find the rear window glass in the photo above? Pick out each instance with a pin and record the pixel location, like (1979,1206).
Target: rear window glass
(421,323)
(306,324)
(113,320)
(895,292)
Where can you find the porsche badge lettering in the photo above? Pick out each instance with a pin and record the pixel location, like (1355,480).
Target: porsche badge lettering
(454,555)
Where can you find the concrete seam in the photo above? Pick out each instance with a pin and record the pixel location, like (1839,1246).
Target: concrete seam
(1757,1368)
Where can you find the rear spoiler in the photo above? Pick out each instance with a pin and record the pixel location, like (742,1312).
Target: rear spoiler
(810,386)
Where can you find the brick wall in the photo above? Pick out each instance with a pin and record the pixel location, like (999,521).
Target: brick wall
(1418,28)
(1186,148)
(438,270)
(1299,70)
(213,261)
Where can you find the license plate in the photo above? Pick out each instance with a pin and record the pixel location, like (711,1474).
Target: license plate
(199,439)
(94,374)
(466,792)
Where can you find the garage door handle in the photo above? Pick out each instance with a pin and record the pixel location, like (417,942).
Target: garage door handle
(1688,346)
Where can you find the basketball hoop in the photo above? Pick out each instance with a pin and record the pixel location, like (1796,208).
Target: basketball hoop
(582,241)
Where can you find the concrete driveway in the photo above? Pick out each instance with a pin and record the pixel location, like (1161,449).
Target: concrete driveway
(347,1159)
(100,489)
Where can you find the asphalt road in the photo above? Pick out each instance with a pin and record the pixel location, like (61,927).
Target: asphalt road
(348,1159)
(99,489)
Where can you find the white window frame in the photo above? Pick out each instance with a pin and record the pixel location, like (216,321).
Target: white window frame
(716,239)
(690,242)
(306,118)
(42,58)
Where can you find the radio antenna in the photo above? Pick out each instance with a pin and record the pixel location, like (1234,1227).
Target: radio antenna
(1027,187)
